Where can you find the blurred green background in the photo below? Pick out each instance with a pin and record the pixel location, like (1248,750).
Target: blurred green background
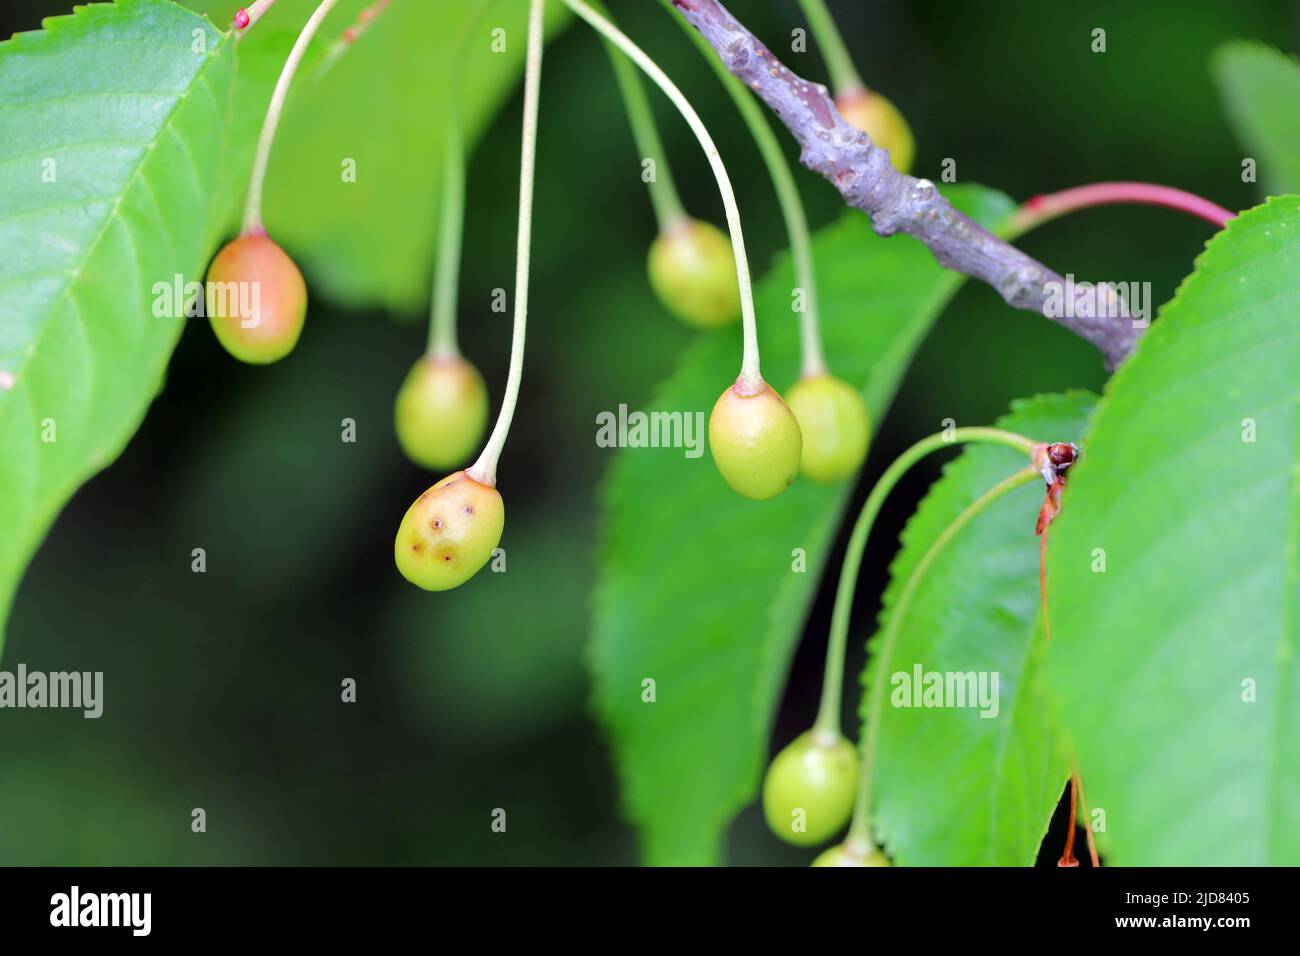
(222,689)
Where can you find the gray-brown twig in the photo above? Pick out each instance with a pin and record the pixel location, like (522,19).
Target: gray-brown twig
(896,202)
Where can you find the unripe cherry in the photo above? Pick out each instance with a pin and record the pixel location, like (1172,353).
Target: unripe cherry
(755,440)
(441,411)
(879,118)
(256,299)
(449,532)
(842,855)
(693,272)
(812,782)
(835,425)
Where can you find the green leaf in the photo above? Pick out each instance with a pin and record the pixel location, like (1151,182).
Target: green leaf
(697,590)
(111,136)
(1260,89)
(954,787)
(369,241)
(1175,569)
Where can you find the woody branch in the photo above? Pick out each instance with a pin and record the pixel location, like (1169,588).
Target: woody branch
(896,202)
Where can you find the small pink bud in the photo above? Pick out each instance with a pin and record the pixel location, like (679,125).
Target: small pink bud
(241,18)
(349,35)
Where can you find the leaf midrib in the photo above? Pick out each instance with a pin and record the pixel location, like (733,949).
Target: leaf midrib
(75,272)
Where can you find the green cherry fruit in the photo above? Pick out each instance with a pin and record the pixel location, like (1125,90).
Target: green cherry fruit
(441,411)
(880,119)
(694,274)
(809,789)
(835,425)
(755,440)
(841,855)
(449,532)
(256,299)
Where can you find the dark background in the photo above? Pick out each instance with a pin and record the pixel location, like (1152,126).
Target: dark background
(222,689)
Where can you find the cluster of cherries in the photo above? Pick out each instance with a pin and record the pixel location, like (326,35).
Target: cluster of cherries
(758,440)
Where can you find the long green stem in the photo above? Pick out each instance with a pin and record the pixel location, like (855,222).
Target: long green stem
(844,75)
(750,375)
(787,193)
(451,225)
(828,713)
(485,469)
(667,203)
(860,837)
(451,212)
(253,205)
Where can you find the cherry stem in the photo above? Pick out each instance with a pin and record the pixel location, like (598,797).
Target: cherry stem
(667,202)
(750,375)
(485,469)
(844,75)
(451,212)
(860,827)
(827,726)
(253,208)
(813,361)
(1041,209)
(451,224)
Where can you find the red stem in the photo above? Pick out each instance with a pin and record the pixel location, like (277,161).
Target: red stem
(1067,857)
(1039,209)
(1087,826)
(1042,584)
